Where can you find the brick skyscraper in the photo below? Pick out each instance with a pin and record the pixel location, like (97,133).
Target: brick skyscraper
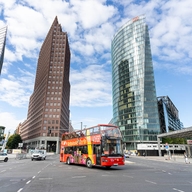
(48,112)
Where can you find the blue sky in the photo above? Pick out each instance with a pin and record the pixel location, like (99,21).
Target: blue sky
(91,25)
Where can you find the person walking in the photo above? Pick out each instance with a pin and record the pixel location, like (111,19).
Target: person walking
(186,158)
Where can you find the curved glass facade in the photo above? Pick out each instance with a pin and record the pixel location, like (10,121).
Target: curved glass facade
(3,32)
(135,108)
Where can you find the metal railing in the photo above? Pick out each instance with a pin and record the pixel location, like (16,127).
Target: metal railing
(21,156)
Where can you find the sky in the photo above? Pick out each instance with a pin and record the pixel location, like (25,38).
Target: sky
(91,25)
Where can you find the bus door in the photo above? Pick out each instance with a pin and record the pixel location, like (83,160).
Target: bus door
(97,151)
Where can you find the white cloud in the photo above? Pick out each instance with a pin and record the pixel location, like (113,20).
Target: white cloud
(90,25)
(9,121)
(92,13)
(16,92)
(91,87)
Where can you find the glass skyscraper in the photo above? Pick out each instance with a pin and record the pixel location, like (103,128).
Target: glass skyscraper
(3,32)
(135,108)
(169,115)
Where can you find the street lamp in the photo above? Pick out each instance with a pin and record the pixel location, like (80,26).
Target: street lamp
(78,123)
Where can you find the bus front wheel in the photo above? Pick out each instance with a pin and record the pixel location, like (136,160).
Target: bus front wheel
(89,163)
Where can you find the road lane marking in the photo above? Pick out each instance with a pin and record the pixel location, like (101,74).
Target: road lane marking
(20,190)
(28,182)
(12,180)
(33,177)
(3,171)
(178,190)
(78,177)
(150,182)
(127,176)
(48,178)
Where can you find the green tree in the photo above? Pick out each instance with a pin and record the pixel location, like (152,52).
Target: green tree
(13,141)
(174,140)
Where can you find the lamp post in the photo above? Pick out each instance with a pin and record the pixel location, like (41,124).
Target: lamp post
(78,123)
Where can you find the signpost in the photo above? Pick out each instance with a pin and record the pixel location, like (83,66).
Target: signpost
(20,145)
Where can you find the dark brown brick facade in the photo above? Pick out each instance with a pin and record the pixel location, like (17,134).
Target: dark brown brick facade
(49,102)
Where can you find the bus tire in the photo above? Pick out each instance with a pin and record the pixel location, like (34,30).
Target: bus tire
(89,163)
(68,161)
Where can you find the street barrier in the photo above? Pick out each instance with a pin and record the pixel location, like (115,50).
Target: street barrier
(21,156)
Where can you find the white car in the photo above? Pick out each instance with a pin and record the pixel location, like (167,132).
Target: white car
(126,155)
(3,157)
(38,155)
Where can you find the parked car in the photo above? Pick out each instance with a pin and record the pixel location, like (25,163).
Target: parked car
(3,157)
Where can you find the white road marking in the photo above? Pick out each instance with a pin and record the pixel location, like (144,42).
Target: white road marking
(178,190)
(190,182)
(78,177)
(33,177)
(45,178)
(20,190)
(3,171)
(127,176)
(150,182)
(12,180)
(28,182)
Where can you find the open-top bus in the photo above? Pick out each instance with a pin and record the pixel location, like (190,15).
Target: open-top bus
(100,145)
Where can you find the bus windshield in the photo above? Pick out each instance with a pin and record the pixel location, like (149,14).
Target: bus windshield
(112,147)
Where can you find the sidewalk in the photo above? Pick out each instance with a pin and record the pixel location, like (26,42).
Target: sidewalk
(173,159)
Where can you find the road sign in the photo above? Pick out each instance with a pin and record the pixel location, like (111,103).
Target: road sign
(20,145)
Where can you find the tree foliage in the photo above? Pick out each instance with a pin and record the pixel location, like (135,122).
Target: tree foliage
(13,141)
(174,140)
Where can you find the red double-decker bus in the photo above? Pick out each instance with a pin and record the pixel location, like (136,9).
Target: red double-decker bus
(100,145)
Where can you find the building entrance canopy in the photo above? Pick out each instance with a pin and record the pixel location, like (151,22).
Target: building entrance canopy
(183,133)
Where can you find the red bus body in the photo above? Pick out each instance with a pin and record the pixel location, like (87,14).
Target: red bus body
(93,147)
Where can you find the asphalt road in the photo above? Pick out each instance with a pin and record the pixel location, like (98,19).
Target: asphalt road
(138,175)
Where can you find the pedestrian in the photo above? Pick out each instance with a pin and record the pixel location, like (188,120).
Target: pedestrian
(144,154)
(186,158)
